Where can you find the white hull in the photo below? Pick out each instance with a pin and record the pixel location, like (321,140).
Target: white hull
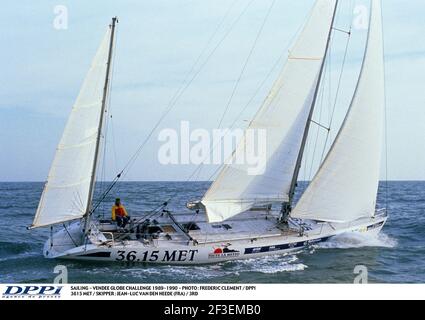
(203,248)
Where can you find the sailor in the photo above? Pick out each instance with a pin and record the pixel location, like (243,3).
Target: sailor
(284,213)
(119,214)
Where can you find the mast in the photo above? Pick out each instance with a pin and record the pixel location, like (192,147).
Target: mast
(348,178)
(241,186)
(99,133)
(286,207)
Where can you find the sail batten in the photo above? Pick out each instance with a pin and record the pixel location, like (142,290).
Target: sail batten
(66,193)
(89,105)
(283,116)
(64,147)
(345,187)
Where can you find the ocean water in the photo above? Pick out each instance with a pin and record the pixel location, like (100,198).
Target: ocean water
(396,256)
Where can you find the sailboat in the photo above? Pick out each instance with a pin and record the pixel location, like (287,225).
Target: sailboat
(241,215)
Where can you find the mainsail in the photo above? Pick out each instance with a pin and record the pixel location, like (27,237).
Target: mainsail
(283,117)
(68,189)
(345,187)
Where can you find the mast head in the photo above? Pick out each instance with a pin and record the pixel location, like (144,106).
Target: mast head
(114,21)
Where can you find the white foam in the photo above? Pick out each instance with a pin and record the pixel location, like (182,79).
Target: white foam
(358,240)
(266,265)
(282,268)
(188,272)
(269,264)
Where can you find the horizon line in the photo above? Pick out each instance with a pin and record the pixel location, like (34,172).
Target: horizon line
(39,181)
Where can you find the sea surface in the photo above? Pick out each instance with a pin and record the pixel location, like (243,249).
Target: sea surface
(396,256)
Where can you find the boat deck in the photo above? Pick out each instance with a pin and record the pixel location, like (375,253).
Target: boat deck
(249,225)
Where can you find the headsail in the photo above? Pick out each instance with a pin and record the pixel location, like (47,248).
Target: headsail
(283,116)
(345,187)
(66,193)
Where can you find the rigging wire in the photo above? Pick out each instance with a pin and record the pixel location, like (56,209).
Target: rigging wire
(107,110)
(111,105)
(336,95)
(72,239)
(176,95)
(111,116)
(322,94)
(171,105)
(196,172)
(260,86)
(246,107)
(332,112)
(204,50)
(248,58)
(385,121)
(254,45)
(175,98)
(321,99)
(332,107)
(131,161)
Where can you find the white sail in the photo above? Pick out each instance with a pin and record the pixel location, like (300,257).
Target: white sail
(283,117)
(66,193)
(345,187)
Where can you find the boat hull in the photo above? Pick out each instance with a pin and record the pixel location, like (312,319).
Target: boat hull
(190,253)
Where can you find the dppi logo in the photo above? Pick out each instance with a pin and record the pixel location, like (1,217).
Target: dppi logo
(32,291)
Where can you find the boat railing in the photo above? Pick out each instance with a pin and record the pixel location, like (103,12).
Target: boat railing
(111,238)
(381,212)
(314,231)
(252,238)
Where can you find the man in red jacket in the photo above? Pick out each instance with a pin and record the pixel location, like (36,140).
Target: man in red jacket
(119,214)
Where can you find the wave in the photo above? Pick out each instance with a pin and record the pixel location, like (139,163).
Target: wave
(266,265)
(23,255)
(358,240)
(269,264)
(7,247)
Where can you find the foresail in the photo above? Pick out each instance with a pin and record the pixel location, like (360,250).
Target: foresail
(283,118)
(345,187)
(66,191)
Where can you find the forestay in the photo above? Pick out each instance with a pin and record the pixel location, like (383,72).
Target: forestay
(66,193)
(283,118)
(345,187)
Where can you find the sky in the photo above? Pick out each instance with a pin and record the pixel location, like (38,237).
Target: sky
(44,60)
